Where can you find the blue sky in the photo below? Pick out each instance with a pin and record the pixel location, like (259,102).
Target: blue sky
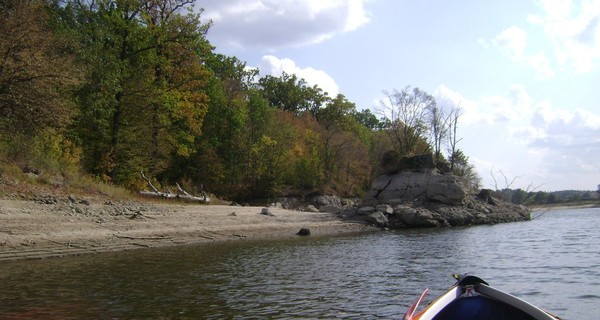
(525,73)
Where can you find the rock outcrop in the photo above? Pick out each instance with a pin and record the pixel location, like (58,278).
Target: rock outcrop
(415,199)
(407,186)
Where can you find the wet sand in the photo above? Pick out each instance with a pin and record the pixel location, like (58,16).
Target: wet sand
(54,227)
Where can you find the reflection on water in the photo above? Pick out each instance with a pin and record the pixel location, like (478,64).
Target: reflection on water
(552,262)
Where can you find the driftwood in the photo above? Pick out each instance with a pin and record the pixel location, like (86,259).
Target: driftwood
(181,194)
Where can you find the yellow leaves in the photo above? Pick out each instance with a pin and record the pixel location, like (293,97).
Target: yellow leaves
(263,146)
(53,151)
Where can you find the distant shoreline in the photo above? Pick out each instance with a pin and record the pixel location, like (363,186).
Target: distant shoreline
(561,206)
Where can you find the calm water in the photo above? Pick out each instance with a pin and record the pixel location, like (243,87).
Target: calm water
(553,261)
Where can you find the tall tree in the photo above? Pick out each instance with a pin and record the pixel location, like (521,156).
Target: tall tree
(115,48)
(289,93)
(143,100)
(407,112)
(37,70)
(177,103)
(453,139)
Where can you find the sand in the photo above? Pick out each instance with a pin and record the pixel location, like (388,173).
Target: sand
(61,226)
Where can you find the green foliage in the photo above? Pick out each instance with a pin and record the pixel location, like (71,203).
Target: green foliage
(368,119)
(289,93)
(135,86)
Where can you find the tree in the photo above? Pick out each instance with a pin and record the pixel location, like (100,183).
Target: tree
(464,169)
(115,48)
(289,93)
(336,119)
(367,119)
(407,112)
(143,100)
(518,196)
(37,70)
(453,140)
(440,124)
(541,197)
(177,104)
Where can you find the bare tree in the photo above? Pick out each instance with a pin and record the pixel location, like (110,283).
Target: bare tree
(407,112)
(440,126)
(453,140)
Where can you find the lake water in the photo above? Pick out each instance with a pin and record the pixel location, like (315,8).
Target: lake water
(552,261)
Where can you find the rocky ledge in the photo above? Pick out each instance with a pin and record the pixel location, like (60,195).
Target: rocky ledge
(417,199)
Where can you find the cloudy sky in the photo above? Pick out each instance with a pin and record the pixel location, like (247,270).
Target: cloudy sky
(525,73)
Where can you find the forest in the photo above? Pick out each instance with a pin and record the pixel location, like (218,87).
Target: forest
(113,88)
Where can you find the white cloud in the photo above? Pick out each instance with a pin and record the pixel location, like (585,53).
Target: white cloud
(513,40)
(567,35)
(573,28)
(513,43)
(273,24)
(511,107)
(274,66)
(534,140)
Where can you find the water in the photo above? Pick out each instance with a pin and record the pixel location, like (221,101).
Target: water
(552,261)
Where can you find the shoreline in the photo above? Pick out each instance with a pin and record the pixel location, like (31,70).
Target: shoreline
(554,207)
(52,227)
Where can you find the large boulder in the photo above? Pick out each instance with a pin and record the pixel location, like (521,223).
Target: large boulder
(415,217)
(446,189)
(378,219)
(408,186)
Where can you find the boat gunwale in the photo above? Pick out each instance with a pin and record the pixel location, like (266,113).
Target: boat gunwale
(482,289)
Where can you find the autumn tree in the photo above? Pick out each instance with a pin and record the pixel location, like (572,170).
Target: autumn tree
(340,131)
(37,74)
(143,99)
(177,104)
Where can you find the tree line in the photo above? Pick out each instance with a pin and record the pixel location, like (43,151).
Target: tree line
(520,196)
(112,88)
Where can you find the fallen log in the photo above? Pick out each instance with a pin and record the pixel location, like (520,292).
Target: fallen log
(182,194)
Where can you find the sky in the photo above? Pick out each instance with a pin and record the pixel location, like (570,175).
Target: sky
(526,74)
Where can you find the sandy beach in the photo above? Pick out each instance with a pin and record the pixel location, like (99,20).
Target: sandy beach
(61,226)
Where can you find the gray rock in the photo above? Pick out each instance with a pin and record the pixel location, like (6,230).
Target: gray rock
(416,218)
(378,219)
(407,186)
(276,205)
(348,212)
(395,202)
(449,191)
(311,208)
(320,201)
(385,208)
(266,212)
(329,209)
(363,211)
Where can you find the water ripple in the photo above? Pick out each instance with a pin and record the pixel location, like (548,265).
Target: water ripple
(551,261)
